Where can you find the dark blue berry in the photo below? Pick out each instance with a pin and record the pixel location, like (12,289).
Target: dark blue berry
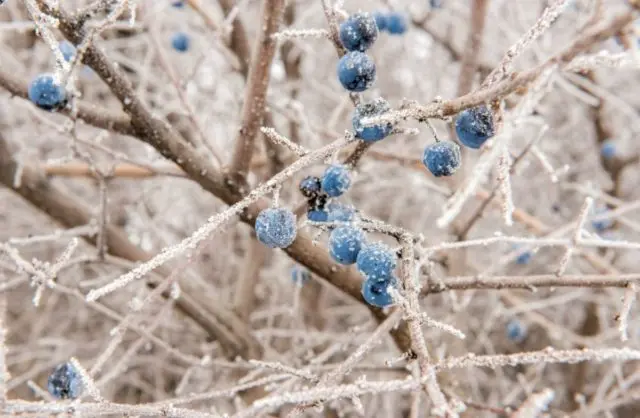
(376,292)
(358,32)
(336,180)
(371,133)
(442,158)
(180,42)
(345,242)
(68,50)
(516,331)
(356,71)
(601,225)
(608,149)
(435,4)
(317,215)
(300,275)
(396,23)
(340,213)
(310,186)
(276,227)
(474,126)
(64,382)
(381,20)
(376,261)
(47,93)
(524,257)
(178,4)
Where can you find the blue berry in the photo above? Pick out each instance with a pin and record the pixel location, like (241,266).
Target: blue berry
(310,186)
(300,275)
(372,133)
(178,4)
(376,261)
(601,225)
(358,32)
(345,242)
(396,23)
(336,180)
(524,258)
(356,71)
(47,93)
(435,4)
(276,227)
(376,292)
(180,42)
(516,331)
(340,213)
(474,126)
(608,149)
(317,215)
(68,50)
(381,20)
(442,158)
(64,382)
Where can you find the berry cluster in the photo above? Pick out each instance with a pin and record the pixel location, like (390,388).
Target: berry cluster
(318,191)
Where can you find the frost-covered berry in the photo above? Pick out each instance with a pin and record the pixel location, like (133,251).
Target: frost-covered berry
(376,292)
(358,32)
(276,227)
(372,133)
(317,215)
(474,126)
(64,382)
(319,202)
(300,275)
(516,331)
(345,242)
(180,42)
(601,224)
(336,180)
(356,71)
(608,149)
(310,186)
(47,93)
(381,20)
(67,49)
(340,213)
(376,261)
(442,158)
(396,23)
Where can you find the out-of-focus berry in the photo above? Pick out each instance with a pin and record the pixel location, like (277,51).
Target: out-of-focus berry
(376,261)
(376,292)
(381,20)
(180,42)
(340,213)
(300,275)
(64,382)
(310,186)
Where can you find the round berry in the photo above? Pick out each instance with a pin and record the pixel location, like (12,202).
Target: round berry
(376,292)
(276,227)
(396,23)
(435,4)
(64,382)
(372,133)
(442,158)
(376,261)
(180,42)
(345,242)
(516,331)
(179,4)
(310,186)
(356,71)
(358,32)
(340,213)
(336,180)
(317,215)
(474,126)
(47,93)
(608,149)
(381,20)
(68,50)
(300,275)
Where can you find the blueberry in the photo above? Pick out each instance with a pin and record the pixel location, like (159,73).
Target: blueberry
(317,215)
(356,71)
(68,50)
(47,93)
(376,292)
(336,180)
(65,382)
(608,149)
(180,42)
(474,126)
(516,331)
(300,275)
(601,225)
(345,242)
(442,158)
(435,4)
(375,107)
(276,227)
(524,258)
(358,32)
(376,261)
(340,213)
(178,4)
(381,20)
(396,23)
(310,186)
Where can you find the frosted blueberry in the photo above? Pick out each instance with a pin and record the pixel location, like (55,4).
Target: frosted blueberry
(345,242)
(310,186)
(47,93)
(340,213)
(376,261)
(317,215)
(336,180)
(524,258)
(442,158)
(180,42)
(68,50)
(396,23)
(601,224)
(64,382)
(375,107)
(381,20)
(516,331)
(356,71)
(358,32)
(376,292)
(276,227)
(474,126)
(179,4)
(435,4)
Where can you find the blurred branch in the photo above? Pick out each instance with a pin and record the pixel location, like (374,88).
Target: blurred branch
(468,65)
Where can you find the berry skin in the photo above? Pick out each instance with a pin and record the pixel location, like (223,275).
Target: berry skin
(396,23)
(474,126)
(336,180)
(376,292)
(47,93)
(276,227)
(356,71)
(180,42)
(310,186)
(376,261)
(381,21)
(300,275)
(64,382)
(608,149)
(375,107)
(317,215)
(442,158)
(516,331)
(68,50)
(358,32)
(340,213)
(345,242)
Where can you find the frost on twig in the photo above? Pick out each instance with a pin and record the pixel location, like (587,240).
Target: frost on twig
(535,404)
